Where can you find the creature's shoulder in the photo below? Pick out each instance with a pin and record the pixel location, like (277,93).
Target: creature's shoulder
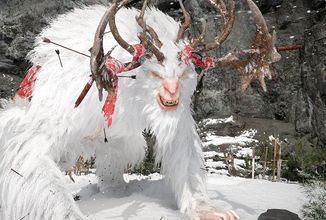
(75,29)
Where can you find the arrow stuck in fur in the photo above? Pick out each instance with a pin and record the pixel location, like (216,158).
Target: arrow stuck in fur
(47,40)
(58,53)
(16,172)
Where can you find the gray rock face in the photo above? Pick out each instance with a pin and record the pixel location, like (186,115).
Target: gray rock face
(8,85)
(296,95)
(314,73)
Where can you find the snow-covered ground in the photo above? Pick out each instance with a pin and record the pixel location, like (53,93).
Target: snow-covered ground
(148,198)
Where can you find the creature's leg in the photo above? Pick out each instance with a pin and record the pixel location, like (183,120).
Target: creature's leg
(110,165)
(114,158)
(183,166)
(31,184)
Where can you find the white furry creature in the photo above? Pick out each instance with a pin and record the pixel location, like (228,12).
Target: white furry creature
(40,138)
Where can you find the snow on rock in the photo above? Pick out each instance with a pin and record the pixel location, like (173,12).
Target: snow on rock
(249,133)
(212,121)
(239,162)
(215,164)
(244,138)
(238,147)
(244,152)
(211,154)
(241,140)
(271,138)
(224,172)
(148,198)
(211,138)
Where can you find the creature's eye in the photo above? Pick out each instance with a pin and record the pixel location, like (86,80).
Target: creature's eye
(156,75)
(184,75)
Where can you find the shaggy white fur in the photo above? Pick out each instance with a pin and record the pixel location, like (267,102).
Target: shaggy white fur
(42,137)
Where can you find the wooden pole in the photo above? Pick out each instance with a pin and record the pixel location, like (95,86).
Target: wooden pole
(274,161)
(253,164)
(279,163)
(289,47)
(265,162)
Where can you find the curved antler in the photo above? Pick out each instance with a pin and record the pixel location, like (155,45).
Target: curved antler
(97,53)
(145,27)
(263,38)
(194,42)
(186,22)
(228,19)
(228,24)
(143,37)
(113,27)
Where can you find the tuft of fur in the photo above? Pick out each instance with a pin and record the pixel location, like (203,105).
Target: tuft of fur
(40,138)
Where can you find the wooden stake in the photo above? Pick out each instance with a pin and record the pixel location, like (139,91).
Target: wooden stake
(265,162)
(279,163)
(253,164)
(274,161)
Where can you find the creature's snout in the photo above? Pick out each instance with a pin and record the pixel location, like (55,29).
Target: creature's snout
(169,93)
(171,85)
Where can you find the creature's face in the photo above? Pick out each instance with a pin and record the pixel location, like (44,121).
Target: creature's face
(175,80)
(155,46)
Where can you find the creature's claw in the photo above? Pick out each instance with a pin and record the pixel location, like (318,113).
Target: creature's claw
(213,214)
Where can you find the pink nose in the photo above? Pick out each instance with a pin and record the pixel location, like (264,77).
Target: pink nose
(171,85)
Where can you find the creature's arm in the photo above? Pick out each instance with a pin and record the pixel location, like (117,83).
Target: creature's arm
(183,166)
(31,183)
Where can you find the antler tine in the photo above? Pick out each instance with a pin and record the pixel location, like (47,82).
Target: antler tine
(149,45)
(97,53)
(218,40)
(220,5)
(186,22)
(275,56)
(113,27)
(145,27)
(259,18)
(199,39)
(143,37)
(263,37)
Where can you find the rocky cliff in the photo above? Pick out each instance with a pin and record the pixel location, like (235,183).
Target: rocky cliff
(294,105)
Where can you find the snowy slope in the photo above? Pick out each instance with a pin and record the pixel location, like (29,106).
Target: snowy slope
(148,198)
